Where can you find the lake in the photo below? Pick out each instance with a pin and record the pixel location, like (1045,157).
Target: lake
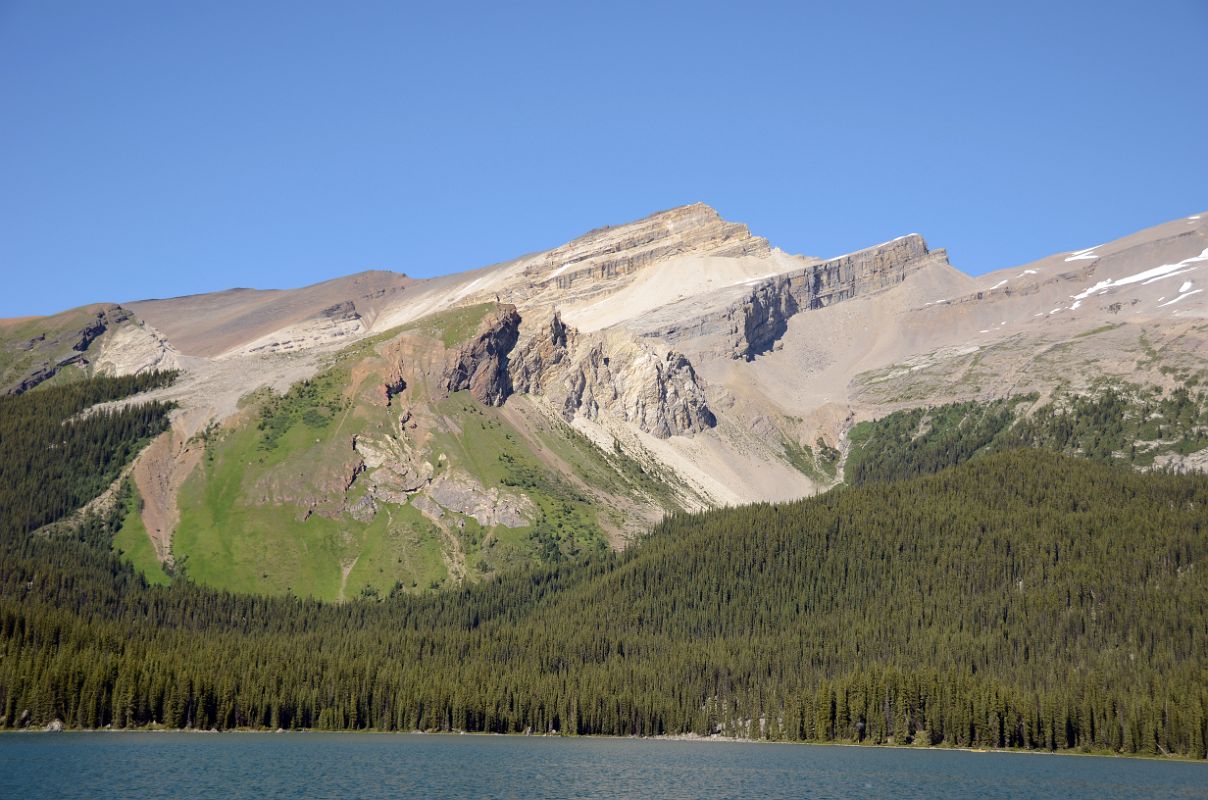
(295,765)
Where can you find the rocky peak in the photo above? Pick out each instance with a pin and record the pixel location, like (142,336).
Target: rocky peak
(575,270)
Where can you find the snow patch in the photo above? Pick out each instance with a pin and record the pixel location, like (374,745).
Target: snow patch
(1186,286)
(1164,271)
(1000,283)
(1180,297)
(1088,254)
(1171,275)
(1027,272)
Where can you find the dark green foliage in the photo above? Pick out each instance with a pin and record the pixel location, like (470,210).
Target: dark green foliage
(313,402)
(820,467)
(921,441)
(54,458)
(1126,425)
(1119,426)
(564,526)
(1023,599)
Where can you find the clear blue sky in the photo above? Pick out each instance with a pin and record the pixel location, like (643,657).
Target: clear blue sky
(163,148)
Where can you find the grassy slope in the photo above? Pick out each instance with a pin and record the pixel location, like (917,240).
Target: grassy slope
(134,544)
(227,541)
(453,326)
(237,533)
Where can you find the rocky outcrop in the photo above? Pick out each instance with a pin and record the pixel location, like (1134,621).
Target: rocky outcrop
(394,383)
(462,494)
(332,326)
(394,469)
(600,260)
(53,350)
(481,364)
(136,347)
(599,375)
(748,320)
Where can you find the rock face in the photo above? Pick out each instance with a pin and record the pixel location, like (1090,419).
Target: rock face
(598,260)
(481,365)
(332,326)
(393,466)
(598,375)
(136,347)
(489,507)
(63,346)
(749,320)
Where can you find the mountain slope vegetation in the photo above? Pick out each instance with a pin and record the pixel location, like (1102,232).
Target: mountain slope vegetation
(56,457)
(1023,599)
(1141,427)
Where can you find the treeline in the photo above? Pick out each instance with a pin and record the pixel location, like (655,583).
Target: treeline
(54,458)
(1023,599)
(1121,425)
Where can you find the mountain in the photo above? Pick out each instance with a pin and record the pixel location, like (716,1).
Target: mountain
(377,432)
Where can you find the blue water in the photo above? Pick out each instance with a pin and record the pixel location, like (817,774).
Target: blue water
(295,765)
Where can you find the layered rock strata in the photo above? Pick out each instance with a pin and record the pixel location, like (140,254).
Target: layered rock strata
(597,375)
(601,260)
(746,321)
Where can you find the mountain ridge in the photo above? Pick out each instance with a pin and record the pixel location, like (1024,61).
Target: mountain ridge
(678,350)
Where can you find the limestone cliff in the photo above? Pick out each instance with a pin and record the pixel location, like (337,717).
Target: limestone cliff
(601,260)
(748,320)
(612,374)
(136,347)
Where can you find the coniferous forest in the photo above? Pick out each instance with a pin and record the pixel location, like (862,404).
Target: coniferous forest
(1021,598)
(60,450)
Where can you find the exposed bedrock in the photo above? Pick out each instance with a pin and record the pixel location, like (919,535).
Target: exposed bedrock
(51,351)
(751,319)
(612,374)
(593,264)
(481,365)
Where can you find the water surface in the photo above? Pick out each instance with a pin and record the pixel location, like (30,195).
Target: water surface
(242,766)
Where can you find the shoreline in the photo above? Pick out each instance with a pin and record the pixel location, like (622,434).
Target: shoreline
(674,737)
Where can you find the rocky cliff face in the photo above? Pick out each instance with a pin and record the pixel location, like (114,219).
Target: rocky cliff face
(749,320)
(55,343)
(136,347)
(481,364)
(601,259)
(612,375)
